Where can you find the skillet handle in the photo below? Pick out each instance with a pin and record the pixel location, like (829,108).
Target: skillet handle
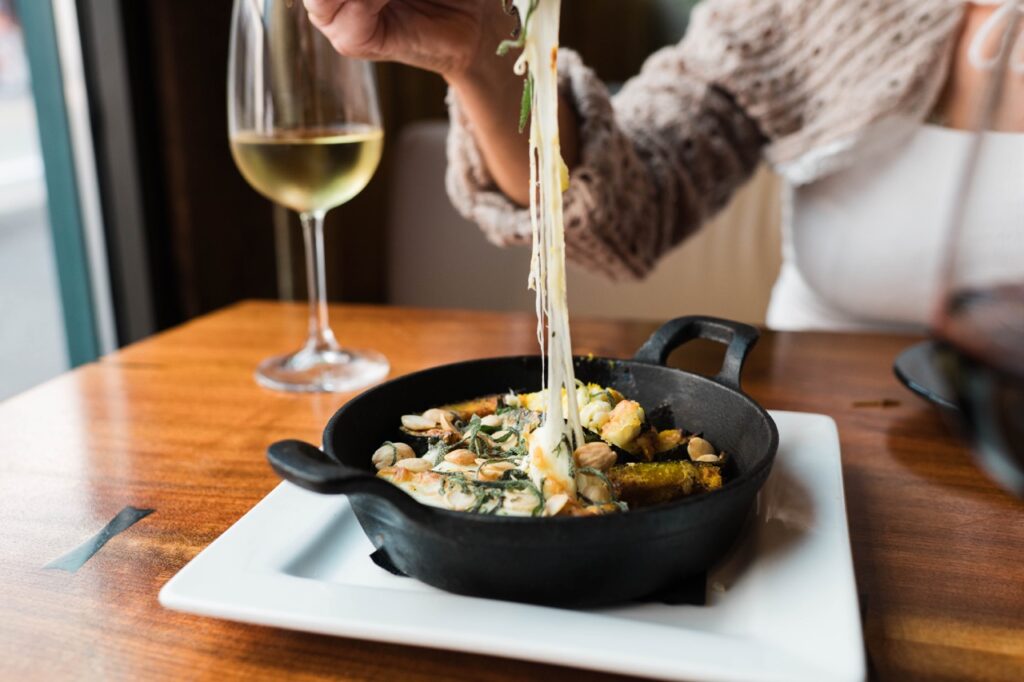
(308,467)
(739,337)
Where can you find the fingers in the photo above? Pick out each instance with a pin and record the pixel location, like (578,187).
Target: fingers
(324,12)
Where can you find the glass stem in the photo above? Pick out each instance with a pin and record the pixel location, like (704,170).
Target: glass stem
(321,338)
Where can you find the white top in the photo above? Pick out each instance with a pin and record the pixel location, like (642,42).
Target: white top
(863,247)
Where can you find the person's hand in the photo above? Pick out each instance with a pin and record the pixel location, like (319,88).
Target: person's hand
(445,36)
(458,39)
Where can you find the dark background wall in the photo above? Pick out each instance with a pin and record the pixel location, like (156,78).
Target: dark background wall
(207,238)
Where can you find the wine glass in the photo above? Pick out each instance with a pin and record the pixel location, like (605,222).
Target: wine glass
(305,132)
(980,322)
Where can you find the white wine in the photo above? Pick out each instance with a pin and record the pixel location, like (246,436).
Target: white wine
(310,170)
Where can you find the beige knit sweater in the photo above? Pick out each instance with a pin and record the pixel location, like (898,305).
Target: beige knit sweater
(807,85)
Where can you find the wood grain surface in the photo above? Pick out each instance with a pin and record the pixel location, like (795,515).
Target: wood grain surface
(176,424)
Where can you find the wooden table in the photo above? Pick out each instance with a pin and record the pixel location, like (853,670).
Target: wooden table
(177,424)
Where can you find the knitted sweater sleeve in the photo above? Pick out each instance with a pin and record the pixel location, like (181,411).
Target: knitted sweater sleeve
(772,78)
(656,161)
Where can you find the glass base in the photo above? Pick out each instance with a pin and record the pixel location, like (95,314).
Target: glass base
(322,371)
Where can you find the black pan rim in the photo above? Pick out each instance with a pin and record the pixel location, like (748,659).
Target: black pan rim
(913,384)
(532,521)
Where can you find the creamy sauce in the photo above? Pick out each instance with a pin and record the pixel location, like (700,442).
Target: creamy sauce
(477,455)
(550,462)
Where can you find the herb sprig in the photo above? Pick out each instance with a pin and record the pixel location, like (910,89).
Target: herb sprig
(517,42)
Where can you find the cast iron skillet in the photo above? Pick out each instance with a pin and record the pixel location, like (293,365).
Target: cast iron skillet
(557,561)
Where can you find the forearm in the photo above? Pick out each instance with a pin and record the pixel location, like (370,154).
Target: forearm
(654,163)
(458,39)
(490,95)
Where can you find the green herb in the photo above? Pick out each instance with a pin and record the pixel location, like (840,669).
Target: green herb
(568,447)
(455,478)
(526,106)
(489,496)
(436,451)
(504,438)
(516,43)
(474,428)
(519,486)
(524,419)
(515,475)
(539,509)
(519,37)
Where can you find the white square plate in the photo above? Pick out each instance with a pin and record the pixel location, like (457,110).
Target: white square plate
(782,606)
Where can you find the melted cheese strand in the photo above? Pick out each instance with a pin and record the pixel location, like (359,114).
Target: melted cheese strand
(551,446)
